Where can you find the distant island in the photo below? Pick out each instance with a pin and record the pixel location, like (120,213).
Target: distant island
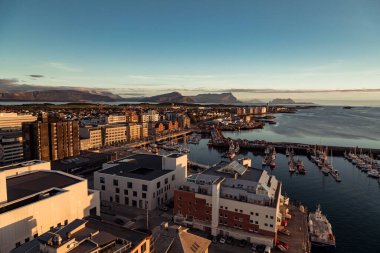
(287,101)
(176,97)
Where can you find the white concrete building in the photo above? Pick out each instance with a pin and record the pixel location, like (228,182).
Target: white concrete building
(34,201)
(141,180)
(23,167)
(149,116)
(116,119)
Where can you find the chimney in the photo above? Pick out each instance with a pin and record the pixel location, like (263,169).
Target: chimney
(3,187)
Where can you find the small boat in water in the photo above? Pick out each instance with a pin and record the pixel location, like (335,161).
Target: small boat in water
(325,170)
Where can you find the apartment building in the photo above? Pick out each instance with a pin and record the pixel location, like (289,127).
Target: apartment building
(34,201)
(231,199)
(91,138)
(144,130)
(89,235)
(149,116)
(11,145)
(116,119)
(131,117)
(133,132)
(14,120)
(50,141)
(155,128)
(114,134)
(141,180)
(184,122)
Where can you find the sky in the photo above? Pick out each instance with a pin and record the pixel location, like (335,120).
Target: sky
(137,48)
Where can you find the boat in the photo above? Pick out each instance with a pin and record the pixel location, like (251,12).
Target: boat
(325,170)
(320,231)
(272,163)
(373,173)
(291,167)
(287,153)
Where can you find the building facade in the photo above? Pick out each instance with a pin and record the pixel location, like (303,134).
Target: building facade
(116,119)
(50,141)
(114,134)
(230,199)
(141,180)
(91,137)
(32,202)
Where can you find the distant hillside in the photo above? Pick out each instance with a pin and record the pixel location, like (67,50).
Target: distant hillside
(176,97)
(283,101)
(59,96)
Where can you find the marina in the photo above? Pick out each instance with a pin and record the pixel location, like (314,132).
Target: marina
(345,204)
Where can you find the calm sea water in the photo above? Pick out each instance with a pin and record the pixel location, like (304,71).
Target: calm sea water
(359,126)
(352,206)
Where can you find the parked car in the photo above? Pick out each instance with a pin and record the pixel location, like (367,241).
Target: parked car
(283,244)
(230,240)
(215,240)
(242,243)
(163,208)
(222,240)
(119,221)
(284,231)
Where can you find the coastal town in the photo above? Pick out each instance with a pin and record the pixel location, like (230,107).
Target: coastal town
(129,167)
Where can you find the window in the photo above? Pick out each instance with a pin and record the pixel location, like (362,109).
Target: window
(241,211)
(103,187)
(126,201)
(173,177)
(226,208)
(266,224)
(66,222)
(158,185)
(101,179)
(27,239)
(125,192)
(271,225)
(154,194)
(129,185)
(134,193)
(166,180)
(144,187)
(257,214)
(250,221)
(35,235)
(236,210)
(143,247)
(117,190)
(266,216)
(115,182)
(251,213)
(144,195)
(18,244)
(117,199)
(179,198)
(221,207)
(271,217)
(256,222)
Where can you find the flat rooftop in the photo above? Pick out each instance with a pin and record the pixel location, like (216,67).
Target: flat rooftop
(21,164)
(251,174)
(139,166)
(103,233)
(31,183)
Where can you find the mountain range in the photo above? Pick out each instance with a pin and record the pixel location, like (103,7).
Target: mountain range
(176,97)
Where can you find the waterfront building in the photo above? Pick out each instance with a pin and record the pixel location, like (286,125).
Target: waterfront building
(114,134)
(50,140)
(89,235)
(133,132)
(155,128)
(184,122)
(34,201)
(231,199)
(115,119)
(149,116)
(91,138)
(141,180)
(144,130)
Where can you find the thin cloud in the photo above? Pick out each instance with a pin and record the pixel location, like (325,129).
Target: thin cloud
(64,67)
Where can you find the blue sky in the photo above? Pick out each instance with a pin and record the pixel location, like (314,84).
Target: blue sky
(150,47)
